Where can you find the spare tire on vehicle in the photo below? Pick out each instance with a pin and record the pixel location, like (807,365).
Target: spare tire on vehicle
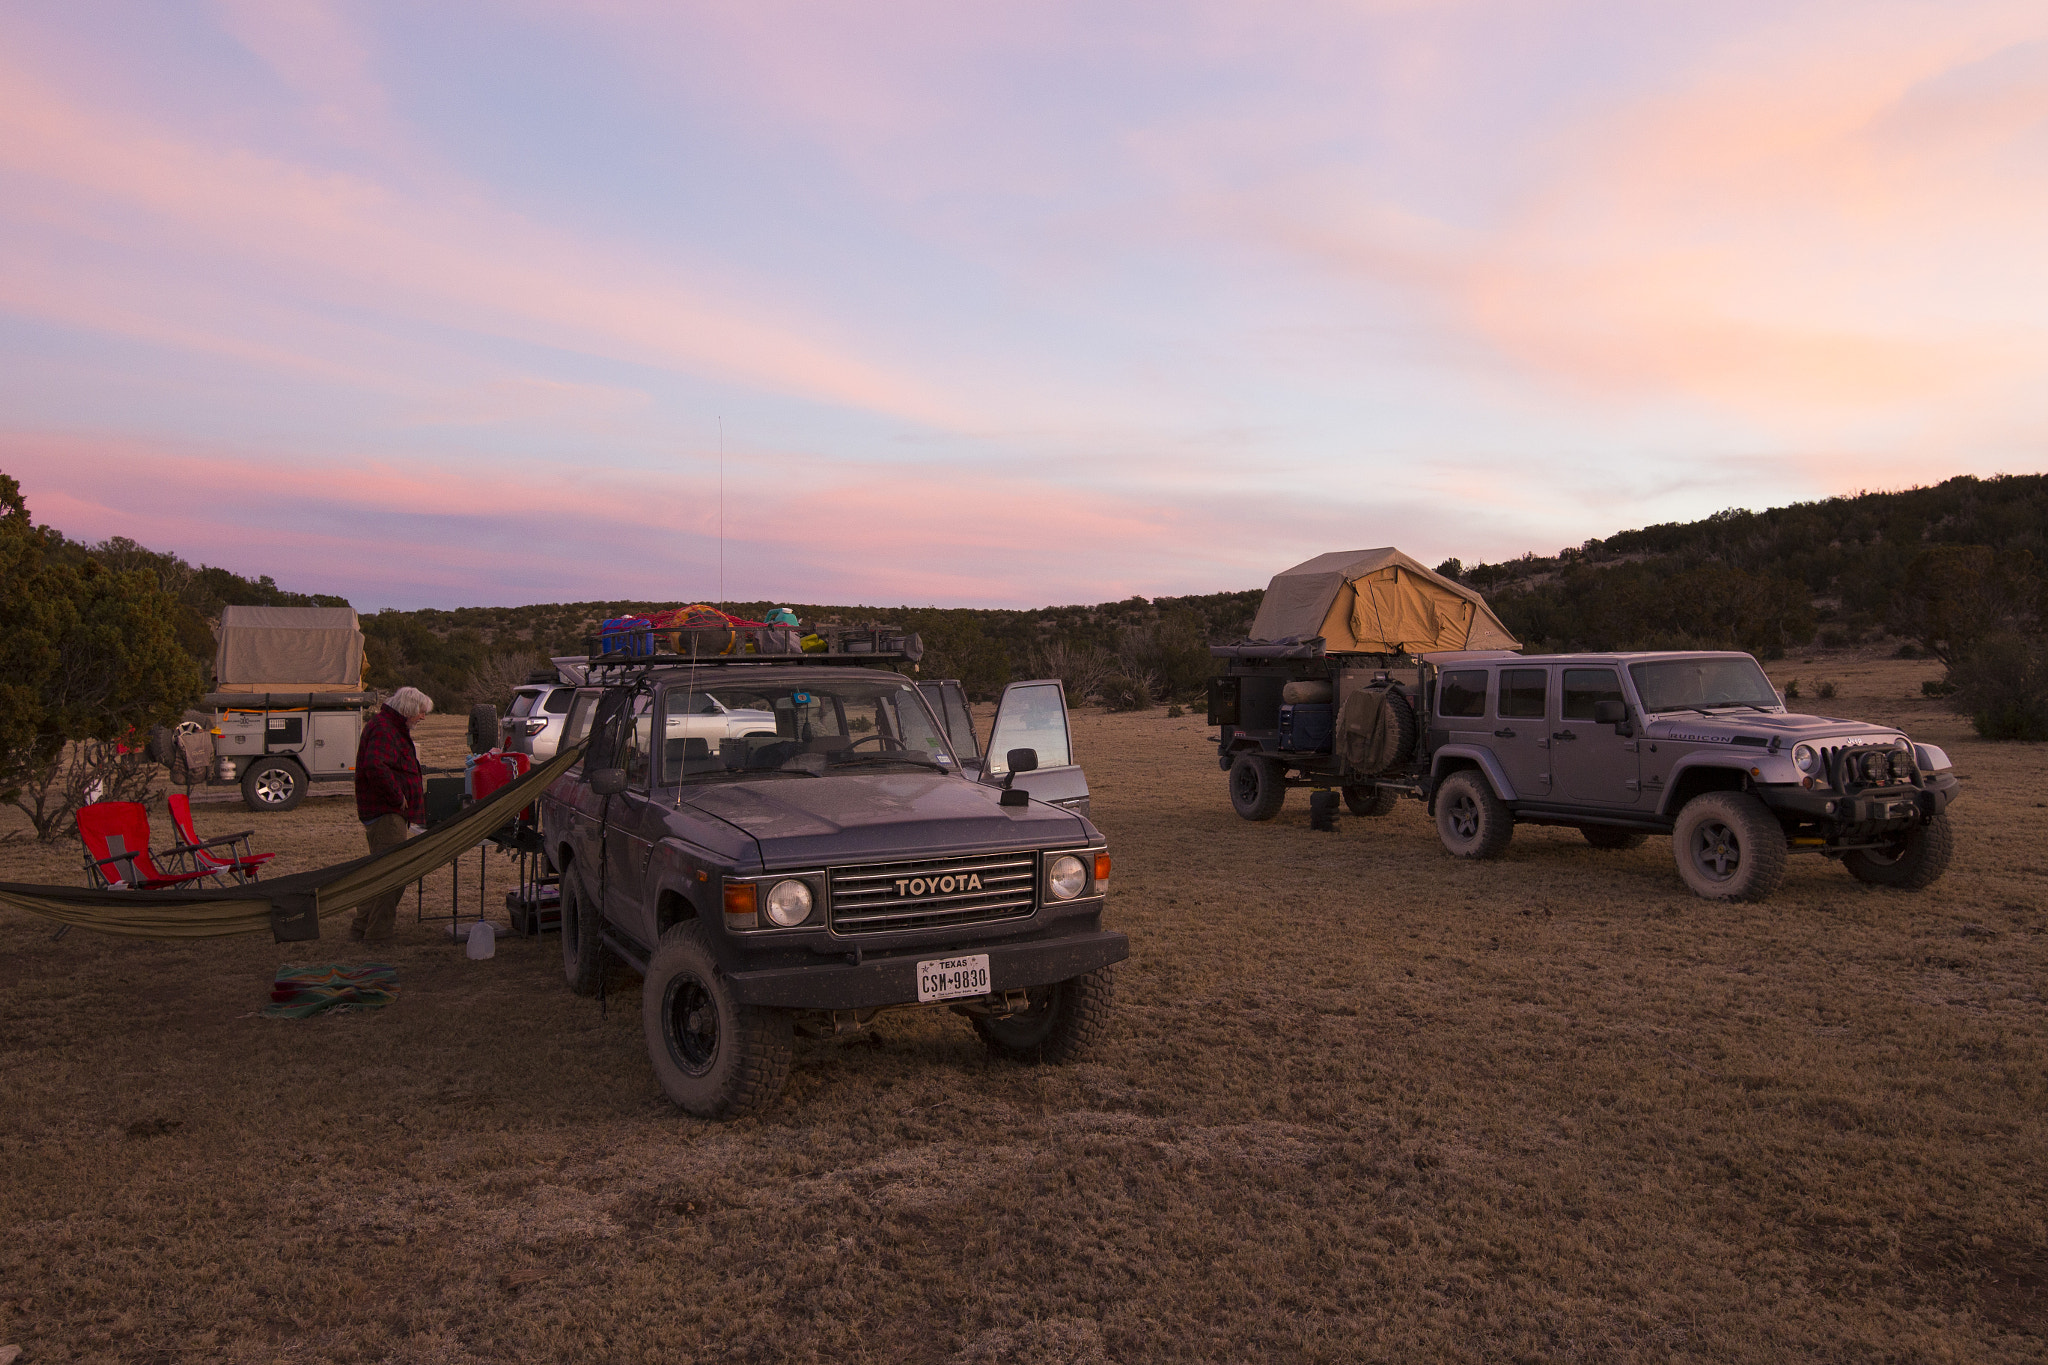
(483,728)
(1376,730)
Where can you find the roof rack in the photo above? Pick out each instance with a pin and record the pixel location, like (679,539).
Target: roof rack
(616,667)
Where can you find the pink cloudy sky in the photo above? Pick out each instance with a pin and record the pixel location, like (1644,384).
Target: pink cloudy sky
(997,305)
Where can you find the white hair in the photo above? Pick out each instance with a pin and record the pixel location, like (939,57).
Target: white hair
(410,702)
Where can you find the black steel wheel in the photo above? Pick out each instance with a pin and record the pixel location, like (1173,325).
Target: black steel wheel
(273,784)
(1063,1022)
(1257,787)
(1729,847)
(1470,820)
(1915,862)
(713,1056)
(1610,836)
(1371,800)
(583,953)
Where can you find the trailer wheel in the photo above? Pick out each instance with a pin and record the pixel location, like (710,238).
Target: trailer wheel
(1257,788)
(1371,800)
(273,784)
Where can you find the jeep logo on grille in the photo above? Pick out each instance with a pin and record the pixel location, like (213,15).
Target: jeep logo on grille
(937,886)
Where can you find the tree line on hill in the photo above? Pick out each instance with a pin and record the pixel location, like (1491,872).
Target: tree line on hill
(100,641)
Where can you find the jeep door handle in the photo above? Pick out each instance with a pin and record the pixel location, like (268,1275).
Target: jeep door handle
(1564,734)
(1503,733)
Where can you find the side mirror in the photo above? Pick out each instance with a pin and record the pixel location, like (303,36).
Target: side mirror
(1610,713)
(1021,761)
(608,781)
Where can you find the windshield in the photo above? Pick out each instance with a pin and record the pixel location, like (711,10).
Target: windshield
(1700,684)
(724,729)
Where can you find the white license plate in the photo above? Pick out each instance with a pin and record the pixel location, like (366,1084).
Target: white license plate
(949,978)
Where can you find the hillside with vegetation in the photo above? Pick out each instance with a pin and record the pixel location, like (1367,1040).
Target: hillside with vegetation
(1954,570)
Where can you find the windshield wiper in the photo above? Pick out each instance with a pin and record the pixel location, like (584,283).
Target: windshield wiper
(910,756)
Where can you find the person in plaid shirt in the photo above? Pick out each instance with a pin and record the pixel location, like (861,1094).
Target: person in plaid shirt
(390,797)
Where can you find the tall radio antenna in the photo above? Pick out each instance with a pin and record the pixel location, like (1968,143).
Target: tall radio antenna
(722,603)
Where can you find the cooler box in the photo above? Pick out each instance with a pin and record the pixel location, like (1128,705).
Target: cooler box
(1307,727)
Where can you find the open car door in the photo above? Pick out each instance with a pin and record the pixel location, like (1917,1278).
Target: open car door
(1033,716)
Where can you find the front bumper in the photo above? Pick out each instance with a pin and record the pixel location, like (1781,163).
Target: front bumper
(1884,805)
(892,980)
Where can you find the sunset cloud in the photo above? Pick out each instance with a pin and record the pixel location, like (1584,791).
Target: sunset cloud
(1001,305)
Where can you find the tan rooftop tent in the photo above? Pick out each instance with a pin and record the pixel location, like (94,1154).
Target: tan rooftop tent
(1376,602)
(289,649)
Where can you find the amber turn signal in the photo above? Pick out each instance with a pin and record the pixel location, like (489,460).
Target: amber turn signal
(742,899)
(1102,867)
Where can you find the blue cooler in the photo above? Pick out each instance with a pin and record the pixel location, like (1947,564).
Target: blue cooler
(1307,727)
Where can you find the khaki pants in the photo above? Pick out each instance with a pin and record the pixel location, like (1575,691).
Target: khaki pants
(376,920)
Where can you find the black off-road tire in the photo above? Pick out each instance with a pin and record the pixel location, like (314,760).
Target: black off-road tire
(713,1056)
(1257,787)
(483,728)
(1610,836)
(1406,727)
(1470,820)
(272,785)
(1065,1020)
(1729,847)
(1371,801)
(1923,855)
(583,951)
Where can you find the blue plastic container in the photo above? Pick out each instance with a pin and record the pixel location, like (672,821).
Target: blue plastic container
(1307,727)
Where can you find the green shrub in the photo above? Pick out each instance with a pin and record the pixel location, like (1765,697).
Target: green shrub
(1792,690)
(1125,694)
(1826,691)
(1937,687)
(2002,686)
(1834,638)
(1908,650)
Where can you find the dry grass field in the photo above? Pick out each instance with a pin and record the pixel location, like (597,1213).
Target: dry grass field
(1362,1103)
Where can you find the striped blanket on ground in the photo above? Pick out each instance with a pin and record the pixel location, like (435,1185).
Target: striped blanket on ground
(302,991)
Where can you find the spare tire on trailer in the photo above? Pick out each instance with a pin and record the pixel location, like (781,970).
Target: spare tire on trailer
(1376,730)
(483,728)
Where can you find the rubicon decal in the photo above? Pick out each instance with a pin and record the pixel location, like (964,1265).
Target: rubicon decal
(1700,739)
(937,886)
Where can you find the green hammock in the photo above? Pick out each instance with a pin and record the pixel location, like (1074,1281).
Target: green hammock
(290,907)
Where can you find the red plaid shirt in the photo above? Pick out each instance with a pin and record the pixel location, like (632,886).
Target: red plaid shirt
(388,770)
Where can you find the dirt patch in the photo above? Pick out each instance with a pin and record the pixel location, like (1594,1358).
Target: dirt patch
(1361,1102)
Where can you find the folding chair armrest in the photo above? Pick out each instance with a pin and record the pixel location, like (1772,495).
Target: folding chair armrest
(128,858)
(211,843)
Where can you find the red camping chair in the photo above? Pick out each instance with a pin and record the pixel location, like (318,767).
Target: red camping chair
(242,866)
(117,856)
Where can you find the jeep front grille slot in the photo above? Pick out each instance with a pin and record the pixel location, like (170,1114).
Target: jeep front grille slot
(933,892)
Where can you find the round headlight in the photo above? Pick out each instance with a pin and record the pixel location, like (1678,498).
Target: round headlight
(1067,876)
(789,904)
(1807,759)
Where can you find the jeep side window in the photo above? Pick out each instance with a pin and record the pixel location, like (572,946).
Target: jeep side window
(1524,693)
(1585,686)
(1462,693)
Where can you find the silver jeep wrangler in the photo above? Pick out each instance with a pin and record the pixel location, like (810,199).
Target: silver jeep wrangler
(1695,745)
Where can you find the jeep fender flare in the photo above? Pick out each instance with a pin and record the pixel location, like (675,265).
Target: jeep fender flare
(1727,777)
(1452,757)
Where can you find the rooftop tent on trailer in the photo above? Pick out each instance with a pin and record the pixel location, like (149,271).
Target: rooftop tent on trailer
(289,649)
(1376,602)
